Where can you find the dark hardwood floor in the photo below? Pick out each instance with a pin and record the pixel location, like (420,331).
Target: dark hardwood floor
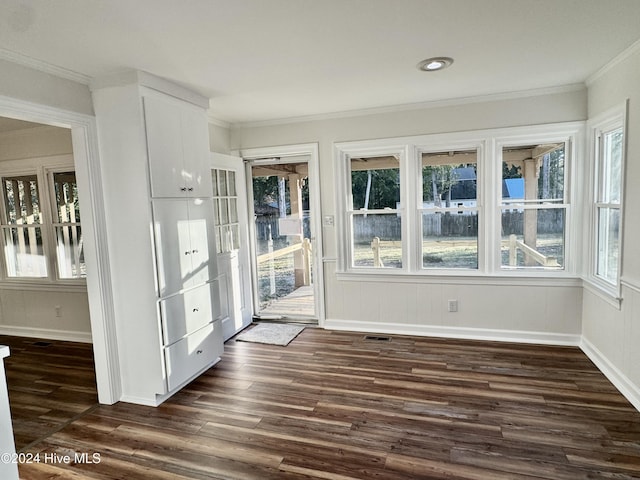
(333,405)
(50,383)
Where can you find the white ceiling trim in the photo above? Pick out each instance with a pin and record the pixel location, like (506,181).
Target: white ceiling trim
(621,57)
(42,66)
(409,106)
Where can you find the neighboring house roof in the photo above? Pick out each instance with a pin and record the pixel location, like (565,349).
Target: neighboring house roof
(513,188)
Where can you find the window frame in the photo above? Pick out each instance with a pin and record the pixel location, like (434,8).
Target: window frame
(488,144)
(43,168)
(571,142)
(370,149)
(607,122)
(480,146)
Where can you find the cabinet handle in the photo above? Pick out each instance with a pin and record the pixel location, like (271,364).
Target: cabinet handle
(183,189)
(198,352)
(196,310)
(194,251)
(187,252)
(190,189)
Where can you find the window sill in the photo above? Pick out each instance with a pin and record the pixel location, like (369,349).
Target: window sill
(604,292)
(79,286)
(459,278)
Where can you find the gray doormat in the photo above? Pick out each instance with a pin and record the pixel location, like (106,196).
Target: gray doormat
(271,333)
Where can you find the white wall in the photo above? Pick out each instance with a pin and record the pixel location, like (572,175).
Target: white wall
(613,334)
(17,81)
(219,137)
(543,312)
(32,310)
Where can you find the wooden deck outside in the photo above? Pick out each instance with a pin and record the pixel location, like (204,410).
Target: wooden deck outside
(298,303)
(336,405)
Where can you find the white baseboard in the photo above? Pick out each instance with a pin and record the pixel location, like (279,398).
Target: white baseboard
(517,336)
(65,335)
(615,376)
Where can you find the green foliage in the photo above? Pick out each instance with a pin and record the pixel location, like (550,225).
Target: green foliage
(384,192)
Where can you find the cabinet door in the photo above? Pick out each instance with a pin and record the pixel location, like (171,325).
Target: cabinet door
(195,135)
(163,122)
(202,241)
(185,313)
(173,245)
(192,354)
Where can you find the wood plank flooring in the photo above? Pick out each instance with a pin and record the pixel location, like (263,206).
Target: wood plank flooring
(333,405)
(50,382)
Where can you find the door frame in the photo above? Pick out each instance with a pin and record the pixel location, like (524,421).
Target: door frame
(84,138)
(309,150)
(235,163)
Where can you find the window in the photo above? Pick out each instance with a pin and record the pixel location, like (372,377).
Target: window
(533,207)
(22,227)
(40,222)
(225,200)
(494,202)
(449,209)
(608,162)
(374,212)
(66,225)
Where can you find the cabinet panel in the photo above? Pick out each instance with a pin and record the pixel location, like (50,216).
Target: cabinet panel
(185,313)
(185,243)
(164,146)
(173,245)
(195,134)
(193,353)
(178,148)
(202,237)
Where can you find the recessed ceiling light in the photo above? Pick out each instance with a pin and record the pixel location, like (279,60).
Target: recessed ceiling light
(434,64)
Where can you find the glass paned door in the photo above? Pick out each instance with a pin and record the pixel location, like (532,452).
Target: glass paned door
(232,242)
(282,226)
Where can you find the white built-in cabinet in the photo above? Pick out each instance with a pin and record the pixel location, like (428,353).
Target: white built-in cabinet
(157,179)
(174,132)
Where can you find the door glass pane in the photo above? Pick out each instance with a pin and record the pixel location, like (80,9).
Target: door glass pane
(233,210)
(232,183)
(222,183)
(284,274)
(214,181)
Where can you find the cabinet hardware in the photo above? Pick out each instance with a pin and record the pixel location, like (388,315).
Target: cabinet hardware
(198,352)
(196,310)
(190,189)
(183,189)
(187,252)
(194,251)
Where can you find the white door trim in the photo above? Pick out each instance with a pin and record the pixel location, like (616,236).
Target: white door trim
(282,152)
(88,175)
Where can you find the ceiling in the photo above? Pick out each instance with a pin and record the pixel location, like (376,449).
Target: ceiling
(271,59)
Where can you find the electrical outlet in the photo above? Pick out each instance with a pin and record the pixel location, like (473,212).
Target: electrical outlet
(453,305)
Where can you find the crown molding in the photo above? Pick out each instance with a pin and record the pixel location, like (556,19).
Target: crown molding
(218,122)
(43,66)
(621,57)
(415,106)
